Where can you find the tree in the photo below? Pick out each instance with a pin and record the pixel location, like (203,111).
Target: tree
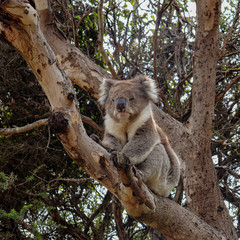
(54,61)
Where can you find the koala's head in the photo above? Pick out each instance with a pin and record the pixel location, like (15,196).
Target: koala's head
(125,99)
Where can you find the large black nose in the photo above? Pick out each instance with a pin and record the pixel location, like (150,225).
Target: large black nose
(121,105)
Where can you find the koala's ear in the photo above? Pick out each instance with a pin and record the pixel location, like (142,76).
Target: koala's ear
(149,87)
(104,90)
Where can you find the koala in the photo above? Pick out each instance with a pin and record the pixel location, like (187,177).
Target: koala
(130,129)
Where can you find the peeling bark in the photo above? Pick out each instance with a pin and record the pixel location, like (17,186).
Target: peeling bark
(78,67)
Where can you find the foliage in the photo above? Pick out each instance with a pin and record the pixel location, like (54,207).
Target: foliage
(44,195)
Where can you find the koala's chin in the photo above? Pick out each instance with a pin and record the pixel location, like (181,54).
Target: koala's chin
(123,116)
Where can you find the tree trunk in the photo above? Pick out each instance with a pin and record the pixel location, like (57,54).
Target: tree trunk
(200,181)
(175,222)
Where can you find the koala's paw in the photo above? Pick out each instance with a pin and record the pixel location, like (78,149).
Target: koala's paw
(120,159)
(114,158)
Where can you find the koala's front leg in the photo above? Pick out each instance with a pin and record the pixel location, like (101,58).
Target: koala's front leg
(141,144)
(111,142)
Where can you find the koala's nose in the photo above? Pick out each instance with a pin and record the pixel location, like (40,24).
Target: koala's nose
(121,105)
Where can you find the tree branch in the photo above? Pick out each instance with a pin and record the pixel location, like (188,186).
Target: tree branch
(28,127)
(117,213)
(163,97)
(221,95)
(78,181)
(78,67)
(230,30)
(91,123)
(159,17)
(97,211)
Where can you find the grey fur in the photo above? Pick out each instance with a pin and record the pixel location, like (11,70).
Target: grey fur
(134,134)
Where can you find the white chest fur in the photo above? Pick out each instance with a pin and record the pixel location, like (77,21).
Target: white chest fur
(124,130)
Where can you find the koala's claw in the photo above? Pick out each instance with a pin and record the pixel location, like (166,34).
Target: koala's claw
(114,158)
(119,159)
(123,161)
(95,138)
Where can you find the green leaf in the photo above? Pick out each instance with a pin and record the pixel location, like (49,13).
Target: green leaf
(132,2)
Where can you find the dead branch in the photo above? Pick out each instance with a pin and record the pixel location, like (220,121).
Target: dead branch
(162,95)
(98,210)
(28,127)
(165,102)
(184,79)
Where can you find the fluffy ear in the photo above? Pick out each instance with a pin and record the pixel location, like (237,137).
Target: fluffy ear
(104,90)
(149,87)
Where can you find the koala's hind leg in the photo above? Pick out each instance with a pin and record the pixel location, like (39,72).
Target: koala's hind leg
(154,170)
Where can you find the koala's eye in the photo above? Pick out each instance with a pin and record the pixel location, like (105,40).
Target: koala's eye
(131,99)
(112,100)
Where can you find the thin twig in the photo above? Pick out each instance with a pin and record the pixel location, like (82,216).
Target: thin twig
(159,17)
(236,79)
(101,48)
(78,181)
(83,16)
(235,19)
